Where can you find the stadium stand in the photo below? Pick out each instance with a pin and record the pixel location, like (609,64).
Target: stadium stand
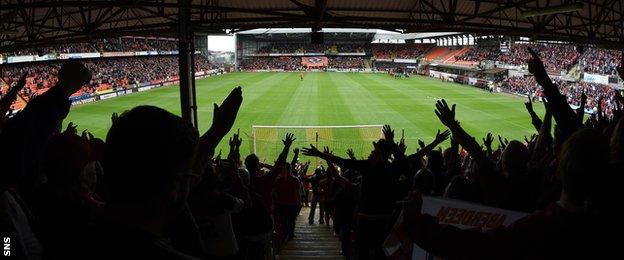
(572,90)
(559,60)
(281,63)
(600,61)
(157,188)
(398,51)
(102,45)
(108,73)
(554,190)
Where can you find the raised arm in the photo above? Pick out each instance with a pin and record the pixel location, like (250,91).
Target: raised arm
(453,163)
(543,144)
(400,160)
(447,117)
(331,168)
(222,121)
(343,163)
(425,149)
(535,120)
(487,142)
(281,159)
(9,98)
(28,131)
(235,143)
(293,162)
(562,112)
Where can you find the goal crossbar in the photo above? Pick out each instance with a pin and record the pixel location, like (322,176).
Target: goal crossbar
(314,126)
(318,134)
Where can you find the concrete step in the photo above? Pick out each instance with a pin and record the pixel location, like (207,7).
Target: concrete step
(315,241)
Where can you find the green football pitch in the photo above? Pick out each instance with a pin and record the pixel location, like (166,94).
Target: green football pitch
(329,99)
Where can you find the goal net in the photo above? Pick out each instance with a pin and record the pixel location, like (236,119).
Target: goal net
(267,140)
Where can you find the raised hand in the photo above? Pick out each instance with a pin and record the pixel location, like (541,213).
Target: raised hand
(72,76)
(114,117)
(487,141)
(351,154)
(224,115)
(502,142)
(296,151)
(235,141)
(531,139)
(529,104)
(327,151)
(421,144)
(71,128)
(388,133)
(444,113)
(536,67)
(290,138)
(402,145)
(441,137)
(312,151)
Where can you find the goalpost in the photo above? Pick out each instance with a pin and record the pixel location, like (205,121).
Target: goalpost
(266,140)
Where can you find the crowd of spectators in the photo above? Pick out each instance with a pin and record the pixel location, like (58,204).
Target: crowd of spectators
(294,63)
(282,48)
(556,57)
(398,51)
(313,48)
(477,54)
(279,63)
(156,189)
(106,73)
(600,61)
(594,93)
(346,63)
(121,44)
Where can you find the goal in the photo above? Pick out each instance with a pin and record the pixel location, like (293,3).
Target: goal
(267,140)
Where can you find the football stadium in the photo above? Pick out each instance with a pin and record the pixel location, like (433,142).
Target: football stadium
(296,129)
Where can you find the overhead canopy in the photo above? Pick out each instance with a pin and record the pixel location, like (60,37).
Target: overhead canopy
(27,22)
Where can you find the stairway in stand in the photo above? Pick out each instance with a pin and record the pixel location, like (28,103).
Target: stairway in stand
(311,241)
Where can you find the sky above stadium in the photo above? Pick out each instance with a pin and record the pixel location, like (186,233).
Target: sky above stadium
(226,43)
(221,43)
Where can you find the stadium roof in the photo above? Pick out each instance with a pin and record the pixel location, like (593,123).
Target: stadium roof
(309,30)
(26,22)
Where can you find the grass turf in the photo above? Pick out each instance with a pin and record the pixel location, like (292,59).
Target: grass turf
(330,99)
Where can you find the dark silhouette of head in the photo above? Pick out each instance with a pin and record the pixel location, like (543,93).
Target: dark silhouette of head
(319,171)
(515,158)
(147,161)
(65,158)
(252,163)
(435,162)
(584,167)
